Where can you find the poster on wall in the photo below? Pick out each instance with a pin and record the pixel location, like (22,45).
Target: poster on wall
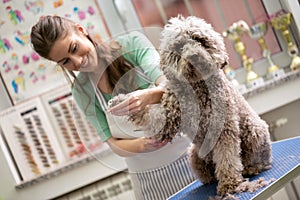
(24,72)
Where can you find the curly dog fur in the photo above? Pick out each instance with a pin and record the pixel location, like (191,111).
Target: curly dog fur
(229,140)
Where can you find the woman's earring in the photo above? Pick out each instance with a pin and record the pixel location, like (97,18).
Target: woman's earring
(82,29)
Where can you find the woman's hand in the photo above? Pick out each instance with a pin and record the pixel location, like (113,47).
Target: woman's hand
(137,101)
(140,99)
(130,147)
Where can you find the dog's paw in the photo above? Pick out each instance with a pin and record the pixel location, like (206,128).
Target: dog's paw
(267,167)
(227,186)
(226,189)
(116,100)
(250,170)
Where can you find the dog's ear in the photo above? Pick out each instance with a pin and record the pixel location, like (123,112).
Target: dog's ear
(170,51)
(169,63)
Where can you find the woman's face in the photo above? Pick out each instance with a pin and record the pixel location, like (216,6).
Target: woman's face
(75,52)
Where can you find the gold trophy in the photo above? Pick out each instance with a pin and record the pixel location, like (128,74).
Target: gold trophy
(258,31)
(234,33)
(281,22)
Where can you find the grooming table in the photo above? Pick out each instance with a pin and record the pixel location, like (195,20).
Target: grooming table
(285,167)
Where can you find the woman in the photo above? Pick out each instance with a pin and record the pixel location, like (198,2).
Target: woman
(157,169)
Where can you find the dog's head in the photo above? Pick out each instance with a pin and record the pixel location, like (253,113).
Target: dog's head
(191,50)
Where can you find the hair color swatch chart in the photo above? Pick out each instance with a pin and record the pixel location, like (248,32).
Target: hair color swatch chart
(75,134)
(48,132)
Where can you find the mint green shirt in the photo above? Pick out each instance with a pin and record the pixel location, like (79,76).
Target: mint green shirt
(139,51)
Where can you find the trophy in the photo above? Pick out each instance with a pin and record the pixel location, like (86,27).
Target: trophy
(281,22)
(234,33)
(258,31)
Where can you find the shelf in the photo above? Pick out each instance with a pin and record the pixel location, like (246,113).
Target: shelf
(73,176)
(274,93)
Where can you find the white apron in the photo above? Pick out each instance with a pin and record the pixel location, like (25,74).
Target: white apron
(163,166)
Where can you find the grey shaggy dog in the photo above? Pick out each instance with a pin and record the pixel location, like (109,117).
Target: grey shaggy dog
(229,140)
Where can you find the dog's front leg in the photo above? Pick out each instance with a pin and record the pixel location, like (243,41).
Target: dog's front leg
(203,168)
(226,156)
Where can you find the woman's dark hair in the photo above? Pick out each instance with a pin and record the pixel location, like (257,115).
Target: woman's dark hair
(47,30)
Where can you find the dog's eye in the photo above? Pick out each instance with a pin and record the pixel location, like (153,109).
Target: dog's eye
(224,64)
(202,41)
(193,58)
(178,47)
